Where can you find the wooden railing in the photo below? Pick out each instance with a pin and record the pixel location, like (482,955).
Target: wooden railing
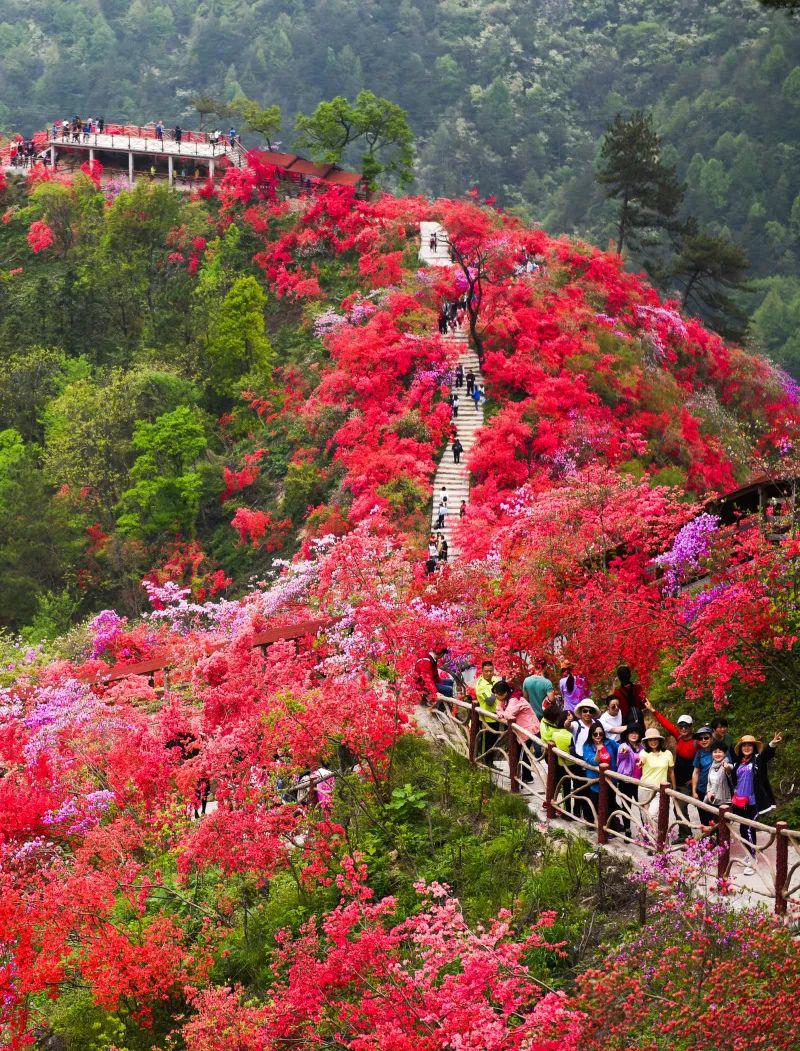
(150,668)
(622,808)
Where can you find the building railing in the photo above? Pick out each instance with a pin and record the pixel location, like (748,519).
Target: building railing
(624,809)
(145,139)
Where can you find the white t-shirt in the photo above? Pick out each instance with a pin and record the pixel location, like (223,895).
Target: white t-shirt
(611,723)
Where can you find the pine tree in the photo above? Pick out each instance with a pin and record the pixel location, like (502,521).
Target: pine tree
(633,172)
(709,267)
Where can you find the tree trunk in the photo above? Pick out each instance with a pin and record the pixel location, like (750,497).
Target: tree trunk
(623,220)
(688,289)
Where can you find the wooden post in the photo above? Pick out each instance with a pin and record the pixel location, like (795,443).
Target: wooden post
(513,759)
(474,723)
(550,786)
(663,818)
(724,841)
(781,866)
(602,807)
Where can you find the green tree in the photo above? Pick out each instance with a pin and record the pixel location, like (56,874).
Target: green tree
(165,496)
(238,343)
(41,538)
(710,267)
(28,380)
(380,125)
(264,120)
(89,428)
(633,173)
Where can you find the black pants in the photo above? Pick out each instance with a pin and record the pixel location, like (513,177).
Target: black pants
(456,456)
(470,386)
(630,792)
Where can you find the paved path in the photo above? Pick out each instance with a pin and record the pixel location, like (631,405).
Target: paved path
(451,477)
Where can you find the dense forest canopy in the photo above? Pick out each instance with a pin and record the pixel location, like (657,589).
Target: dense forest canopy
(512,96)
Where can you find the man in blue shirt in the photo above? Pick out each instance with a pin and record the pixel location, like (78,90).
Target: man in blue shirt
(702,762)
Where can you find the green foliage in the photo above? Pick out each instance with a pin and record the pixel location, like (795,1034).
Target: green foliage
(264,120)
(634,173)
(238,344)
(710,267)
(380,126)
(165,497)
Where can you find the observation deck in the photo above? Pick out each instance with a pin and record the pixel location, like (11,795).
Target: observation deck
(132,151)
(125,149)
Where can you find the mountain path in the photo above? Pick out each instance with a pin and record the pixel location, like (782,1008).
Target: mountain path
(452,479)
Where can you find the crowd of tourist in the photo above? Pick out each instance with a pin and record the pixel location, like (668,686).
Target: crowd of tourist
(704,763)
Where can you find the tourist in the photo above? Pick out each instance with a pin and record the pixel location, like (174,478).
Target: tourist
(454,404)
(433,546)
(685,748)
(630,749)
(442,322)
(491,731)
(441,513)
(599,749)
(470,377)
(429,680)
(65,130)
(585,714)
(630,696)
(458,449)
(178,134)
(751,779)
(657,764)
(611,718)
(572,687)
(554,729)
(484,683)
(101,125)
(459,376)
(433,241)
(719,787)
(516,713)
(477,394)
(701,765)
(160,131)
(55,130)
(444,550)
(537,688)
(719,732)
(232,136)
(462,509)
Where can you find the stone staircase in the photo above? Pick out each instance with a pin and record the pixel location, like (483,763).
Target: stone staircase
(450,476)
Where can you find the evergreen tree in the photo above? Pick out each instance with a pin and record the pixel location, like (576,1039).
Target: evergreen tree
(710,266)
(632,172)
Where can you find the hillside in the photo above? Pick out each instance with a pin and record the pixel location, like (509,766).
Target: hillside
(193,386)
(513,97)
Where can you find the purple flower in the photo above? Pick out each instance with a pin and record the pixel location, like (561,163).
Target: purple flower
(692,544)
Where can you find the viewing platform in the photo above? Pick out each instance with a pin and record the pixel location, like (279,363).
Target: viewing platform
(133,151)
(140,151)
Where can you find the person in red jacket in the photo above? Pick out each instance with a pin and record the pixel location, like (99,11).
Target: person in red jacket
(429,679)
(685,749)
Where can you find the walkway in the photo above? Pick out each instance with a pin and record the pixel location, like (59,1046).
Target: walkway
(450,727)
(450,476)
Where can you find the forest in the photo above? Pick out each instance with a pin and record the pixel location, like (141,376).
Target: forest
(513,97)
